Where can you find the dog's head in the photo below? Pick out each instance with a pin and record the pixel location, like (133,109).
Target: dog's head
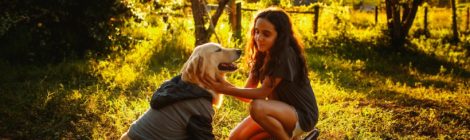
(209,61)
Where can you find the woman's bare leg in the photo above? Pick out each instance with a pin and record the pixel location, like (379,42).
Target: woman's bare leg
(247,129)
(275,117)
(261,136)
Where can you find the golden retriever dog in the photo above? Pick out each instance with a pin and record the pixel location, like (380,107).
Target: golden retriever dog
(183,107)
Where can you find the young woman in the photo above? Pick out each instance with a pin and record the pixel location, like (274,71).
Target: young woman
(284,106)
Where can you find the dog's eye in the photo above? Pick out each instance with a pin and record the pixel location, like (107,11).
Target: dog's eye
(218,50)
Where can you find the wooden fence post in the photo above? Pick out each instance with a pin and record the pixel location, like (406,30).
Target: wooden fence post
(468,19)
(235,16)
(316,11)
(232,14)
(376,14)
(455,31)
(238,28)
(425,22)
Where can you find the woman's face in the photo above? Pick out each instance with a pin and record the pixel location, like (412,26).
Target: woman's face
(265,34)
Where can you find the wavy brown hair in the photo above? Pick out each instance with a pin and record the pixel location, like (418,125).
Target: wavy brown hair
(286,37)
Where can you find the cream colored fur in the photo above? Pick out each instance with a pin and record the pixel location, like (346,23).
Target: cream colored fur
(203,63)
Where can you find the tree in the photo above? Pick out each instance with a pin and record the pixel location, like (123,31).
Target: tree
(50,31)
(202,33)
(234,13)
(455,31)
(399,24)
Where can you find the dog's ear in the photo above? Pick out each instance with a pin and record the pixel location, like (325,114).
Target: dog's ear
(199,66)
(193,67)
(188,69)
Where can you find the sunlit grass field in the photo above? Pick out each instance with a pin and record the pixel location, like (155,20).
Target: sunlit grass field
(364,88)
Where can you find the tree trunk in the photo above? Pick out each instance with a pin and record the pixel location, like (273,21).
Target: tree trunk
(399,26)
(198,16)
(234,13)
(455,30)
(202,33)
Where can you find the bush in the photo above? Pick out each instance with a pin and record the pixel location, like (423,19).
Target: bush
(53,30)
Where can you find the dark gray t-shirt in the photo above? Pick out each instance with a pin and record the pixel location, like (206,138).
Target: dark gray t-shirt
(294,89)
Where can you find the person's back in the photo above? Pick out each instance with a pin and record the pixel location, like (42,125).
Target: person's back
(169,122)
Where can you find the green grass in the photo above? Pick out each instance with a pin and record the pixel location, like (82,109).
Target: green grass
(364,89)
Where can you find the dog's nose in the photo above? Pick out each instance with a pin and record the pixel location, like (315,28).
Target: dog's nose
(239,52)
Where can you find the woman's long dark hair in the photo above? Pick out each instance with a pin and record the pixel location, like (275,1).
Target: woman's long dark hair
(286,37)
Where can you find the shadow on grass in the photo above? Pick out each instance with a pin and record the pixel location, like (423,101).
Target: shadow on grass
(382,63)
(40,101)
(388,63)
(420,116)
(35,102)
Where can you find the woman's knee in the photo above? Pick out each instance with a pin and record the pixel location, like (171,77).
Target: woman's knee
(244,130)
(234,136)
(257,108)
(237,134)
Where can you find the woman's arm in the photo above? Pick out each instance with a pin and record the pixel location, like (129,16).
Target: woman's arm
(252,93)
(251,82)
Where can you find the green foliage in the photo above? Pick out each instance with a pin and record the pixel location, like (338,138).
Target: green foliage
(55,30)
(364,89)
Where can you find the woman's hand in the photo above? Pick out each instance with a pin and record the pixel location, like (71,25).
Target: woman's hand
(219,85)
